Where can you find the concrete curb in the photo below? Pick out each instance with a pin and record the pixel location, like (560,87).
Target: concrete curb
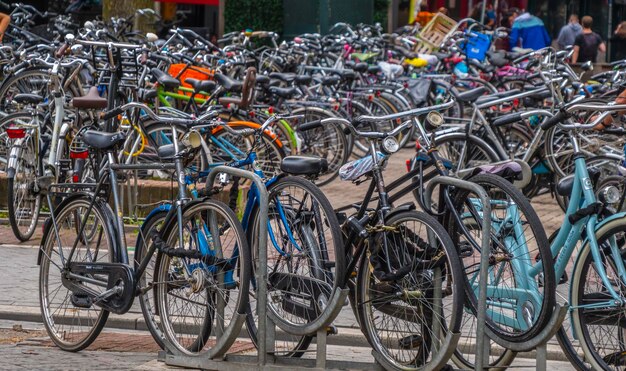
(134,321)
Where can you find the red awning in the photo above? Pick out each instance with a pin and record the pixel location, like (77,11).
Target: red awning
(197,2)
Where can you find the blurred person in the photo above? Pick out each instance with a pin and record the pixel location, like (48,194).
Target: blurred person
(619,42)
(527,30)
(568,33)
(587,44)
(5,20)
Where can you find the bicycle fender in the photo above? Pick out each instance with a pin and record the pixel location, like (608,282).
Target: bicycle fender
(13,156)
(399,209)
(109,219)
(162,207)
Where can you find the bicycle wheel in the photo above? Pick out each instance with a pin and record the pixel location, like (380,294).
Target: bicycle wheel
(518,243)
(403,321)
(202,287)
(147,291)
(70,325)
(306,259)
(600,328)
(226,147)
(23,200)
(465,151)
(328,142)
(285,344)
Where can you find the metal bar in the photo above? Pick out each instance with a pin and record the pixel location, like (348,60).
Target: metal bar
(153,166)
(481,336)
(261,271)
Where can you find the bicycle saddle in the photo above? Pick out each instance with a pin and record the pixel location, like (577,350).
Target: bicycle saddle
(357,67)
(566,184)
(304,79)
(330,80)
(303,165)
(102,140)
(471,95)
(206,86)
(373,69)
(262,80)
(227,83)
(165,80)
(486,98)
(284,92)
(27,98)
(286,77)
(92,100)
(498,59)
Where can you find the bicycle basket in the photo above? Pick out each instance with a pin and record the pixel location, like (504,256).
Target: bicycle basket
(355,169)
(476,46)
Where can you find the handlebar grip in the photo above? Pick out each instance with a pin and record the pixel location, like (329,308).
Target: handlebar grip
(112,113)
(62,50)
(310,125)
(560,116)
(507,119)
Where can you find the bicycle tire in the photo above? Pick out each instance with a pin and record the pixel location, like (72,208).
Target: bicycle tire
(595,352)
(206,278)
(295,193)
(328,142)
(147,300)
(71,208)
(502,195)
(21,180)
(422,335)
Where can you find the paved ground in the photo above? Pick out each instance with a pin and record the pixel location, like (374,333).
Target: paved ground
(135,350)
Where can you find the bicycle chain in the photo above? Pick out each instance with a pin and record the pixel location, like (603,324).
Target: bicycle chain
(210,260)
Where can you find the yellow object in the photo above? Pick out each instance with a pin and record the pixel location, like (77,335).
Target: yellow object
(144,141)
(417,62)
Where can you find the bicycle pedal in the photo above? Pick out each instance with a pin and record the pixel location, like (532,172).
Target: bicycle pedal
(465,250)
(332,330)
(411,342)
(616,359)
(81,300)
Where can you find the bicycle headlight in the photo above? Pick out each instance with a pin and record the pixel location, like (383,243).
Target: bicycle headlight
(609,194)
(192,139)
(390,145)
(434,120)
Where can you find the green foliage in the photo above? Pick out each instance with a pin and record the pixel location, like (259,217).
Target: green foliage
(380,12)
(258,15)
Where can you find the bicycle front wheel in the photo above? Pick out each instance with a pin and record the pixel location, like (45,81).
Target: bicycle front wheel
(406,318)
(202,280)
(597,320)
(71,321)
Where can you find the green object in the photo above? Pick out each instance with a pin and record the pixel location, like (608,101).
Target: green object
(260,15)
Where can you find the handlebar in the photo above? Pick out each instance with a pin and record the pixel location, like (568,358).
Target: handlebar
(373,134)
(167,119)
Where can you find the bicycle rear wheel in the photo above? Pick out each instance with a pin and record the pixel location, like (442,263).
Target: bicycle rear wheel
(403,320)
(306,259)
(23,200)
(202,287)
(71,323)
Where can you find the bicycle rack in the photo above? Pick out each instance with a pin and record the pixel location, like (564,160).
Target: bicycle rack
(482,351)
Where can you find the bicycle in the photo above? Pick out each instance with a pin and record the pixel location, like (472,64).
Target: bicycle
(84,239)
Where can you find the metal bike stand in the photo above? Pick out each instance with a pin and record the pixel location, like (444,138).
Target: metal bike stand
(482,340)
(539,342)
